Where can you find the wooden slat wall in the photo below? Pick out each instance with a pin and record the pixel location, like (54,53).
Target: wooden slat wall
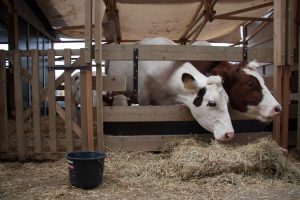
(36,108)
(3,106)
(51,104)
(19,106)
(68,101)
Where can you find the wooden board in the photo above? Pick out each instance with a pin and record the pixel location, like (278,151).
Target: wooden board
(19,106)
(177,52)
(155,142)
(161,113)
(68,101)
(36,108)
(3,105)
(99,81)
(51,104)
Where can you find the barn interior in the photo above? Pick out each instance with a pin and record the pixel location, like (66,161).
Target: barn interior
(109,30)
(153,152)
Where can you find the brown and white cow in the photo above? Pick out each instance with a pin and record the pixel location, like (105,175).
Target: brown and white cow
(246,89)
(174,82)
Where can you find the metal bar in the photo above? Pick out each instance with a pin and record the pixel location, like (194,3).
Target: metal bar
(243,18)
(135,74)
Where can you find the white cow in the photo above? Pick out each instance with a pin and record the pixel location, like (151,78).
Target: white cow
(173,82)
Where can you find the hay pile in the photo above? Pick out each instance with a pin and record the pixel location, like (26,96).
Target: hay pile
(195,159)
(188,169)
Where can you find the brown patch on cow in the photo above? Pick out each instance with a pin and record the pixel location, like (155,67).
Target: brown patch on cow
(243,90)
(188,81)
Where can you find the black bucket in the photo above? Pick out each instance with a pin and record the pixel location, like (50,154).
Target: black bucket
(86,168)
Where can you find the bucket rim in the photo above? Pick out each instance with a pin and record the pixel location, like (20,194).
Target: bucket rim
(101,155)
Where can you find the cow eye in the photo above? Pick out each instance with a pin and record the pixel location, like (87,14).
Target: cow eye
(251,84)
(211,103)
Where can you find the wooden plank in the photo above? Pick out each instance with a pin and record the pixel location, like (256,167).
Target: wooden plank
(171,52)
(83,108)
(52,104)
(245,9)
(99,89)
(87,85)
(151,113)
(184,52)
(19,106)
(155,142)
(162,113)
(36,108)
(298,118)
(68,101)
(3,105)
(279,59)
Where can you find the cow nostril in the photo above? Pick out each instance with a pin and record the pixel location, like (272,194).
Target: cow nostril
(277,109)
(229,135)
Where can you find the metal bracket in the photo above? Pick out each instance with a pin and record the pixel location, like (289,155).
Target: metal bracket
(135,74)
(63,67)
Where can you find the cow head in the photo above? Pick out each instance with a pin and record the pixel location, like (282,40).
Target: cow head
(247,91)
(208,105)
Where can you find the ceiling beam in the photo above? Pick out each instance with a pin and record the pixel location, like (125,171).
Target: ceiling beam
(245,10)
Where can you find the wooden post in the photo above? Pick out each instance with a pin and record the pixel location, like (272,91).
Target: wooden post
(19,106)
(83,110)
(3,105)
(279,58)
(298,115)
(87,84)
(36,108)
(51,104)
(98,59)
(68,101)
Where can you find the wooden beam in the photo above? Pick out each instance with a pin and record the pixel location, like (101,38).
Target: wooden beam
(196,17)
(3,104)
(68,101)
(167,52)
(99,89)
(279,59)
(245,10)
(19,106)
(36,106)
(184,52)
(51,104)
(156,142)
(86,85)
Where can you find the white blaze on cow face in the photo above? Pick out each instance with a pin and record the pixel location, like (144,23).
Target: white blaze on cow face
(268,106)
(208,106)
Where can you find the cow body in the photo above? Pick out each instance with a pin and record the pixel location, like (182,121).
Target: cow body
(174,82)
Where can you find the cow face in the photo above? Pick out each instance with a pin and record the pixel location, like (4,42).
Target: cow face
(247,91)
(208,105)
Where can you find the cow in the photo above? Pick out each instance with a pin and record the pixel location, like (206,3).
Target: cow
(248,94)
(176,82)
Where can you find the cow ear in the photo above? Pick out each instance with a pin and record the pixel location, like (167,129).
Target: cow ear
(188,81)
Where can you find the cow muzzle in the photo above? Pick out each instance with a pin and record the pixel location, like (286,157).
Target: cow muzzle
(226,137)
